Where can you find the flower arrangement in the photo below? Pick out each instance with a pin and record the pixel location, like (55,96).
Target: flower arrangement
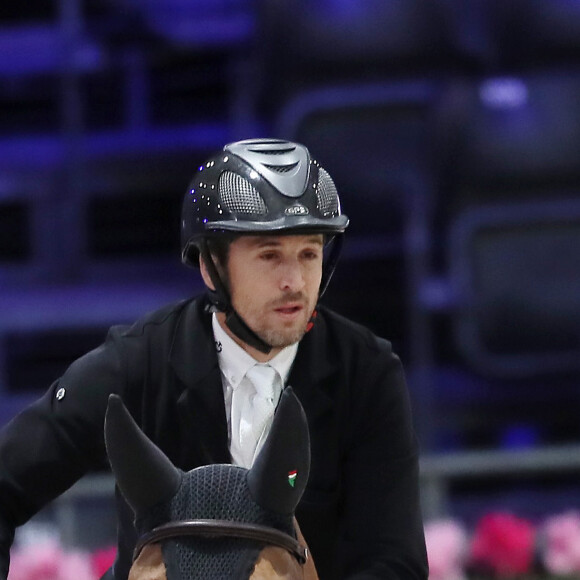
(504,546)
(47,560)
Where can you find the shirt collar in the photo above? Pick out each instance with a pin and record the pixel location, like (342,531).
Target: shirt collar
(235,362)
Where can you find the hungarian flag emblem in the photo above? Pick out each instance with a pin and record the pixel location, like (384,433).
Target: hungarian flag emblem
(292,477)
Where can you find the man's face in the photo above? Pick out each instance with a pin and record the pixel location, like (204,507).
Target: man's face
(274,283)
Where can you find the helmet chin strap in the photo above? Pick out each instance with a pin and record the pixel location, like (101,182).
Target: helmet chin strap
(331,261)
(220,299)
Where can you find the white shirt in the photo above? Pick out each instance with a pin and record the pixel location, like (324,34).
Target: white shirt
(234,363)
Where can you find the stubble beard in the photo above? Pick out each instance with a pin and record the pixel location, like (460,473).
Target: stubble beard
(283,337)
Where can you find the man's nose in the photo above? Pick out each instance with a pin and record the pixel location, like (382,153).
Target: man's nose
(292,276)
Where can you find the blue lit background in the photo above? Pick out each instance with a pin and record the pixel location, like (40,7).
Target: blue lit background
(451,127)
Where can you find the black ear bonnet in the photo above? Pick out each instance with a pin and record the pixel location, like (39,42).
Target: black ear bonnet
(159,493)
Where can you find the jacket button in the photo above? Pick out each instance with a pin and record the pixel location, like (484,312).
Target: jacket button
(60,394)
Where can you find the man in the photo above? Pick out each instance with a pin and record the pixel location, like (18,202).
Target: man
(262,221)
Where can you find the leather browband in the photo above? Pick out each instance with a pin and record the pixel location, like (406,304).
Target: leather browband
(221,529)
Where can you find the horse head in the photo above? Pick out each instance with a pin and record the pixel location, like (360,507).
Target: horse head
(216,521)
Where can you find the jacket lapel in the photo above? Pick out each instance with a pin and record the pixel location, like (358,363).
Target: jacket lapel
(314,376)
(201,408)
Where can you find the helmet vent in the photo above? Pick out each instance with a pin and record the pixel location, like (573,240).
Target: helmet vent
(328,203)
(272,149)
(238,195)
(282,168)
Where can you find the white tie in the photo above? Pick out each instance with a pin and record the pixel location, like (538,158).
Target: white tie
(258,410)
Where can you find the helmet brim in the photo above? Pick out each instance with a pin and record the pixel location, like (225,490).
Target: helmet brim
(284,225)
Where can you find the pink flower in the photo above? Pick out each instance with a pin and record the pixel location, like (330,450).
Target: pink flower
(561,536)
(38,562)
(47,561)
(446,548)
(76,566)
(503,545)
(102,560)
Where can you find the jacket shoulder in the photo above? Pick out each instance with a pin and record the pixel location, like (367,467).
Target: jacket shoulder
(161,319)
(129,343)
(353,333)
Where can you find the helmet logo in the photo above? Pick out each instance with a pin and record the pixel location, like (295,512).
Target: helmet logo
(297,209)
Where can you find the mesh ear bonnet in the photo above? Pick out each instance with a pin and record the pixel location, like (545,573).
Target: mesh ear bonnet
(217,492)
(160,493)
(259,186)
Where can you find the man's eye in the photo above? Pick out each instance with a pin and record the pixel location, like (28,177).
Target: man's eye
(311,255)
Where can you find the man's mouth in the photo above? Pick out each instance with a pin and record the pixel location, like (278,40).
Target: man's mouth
(289,309)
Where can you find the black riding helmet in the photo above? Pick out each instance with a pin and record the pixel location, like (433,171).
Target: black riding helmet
(258,186)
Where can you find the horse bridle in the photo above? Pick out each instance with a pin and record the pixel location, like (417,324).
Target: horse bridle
(223,529)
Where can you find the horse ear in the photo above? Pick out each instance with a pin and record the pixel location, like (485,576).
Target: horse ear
(280,472)
(144,474)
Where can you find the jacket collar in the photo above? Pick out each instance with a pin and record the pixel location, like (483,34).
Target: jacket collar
(193,341)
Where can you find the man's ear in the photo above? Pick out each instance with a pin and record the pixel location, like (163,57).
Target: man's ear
(205,274)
